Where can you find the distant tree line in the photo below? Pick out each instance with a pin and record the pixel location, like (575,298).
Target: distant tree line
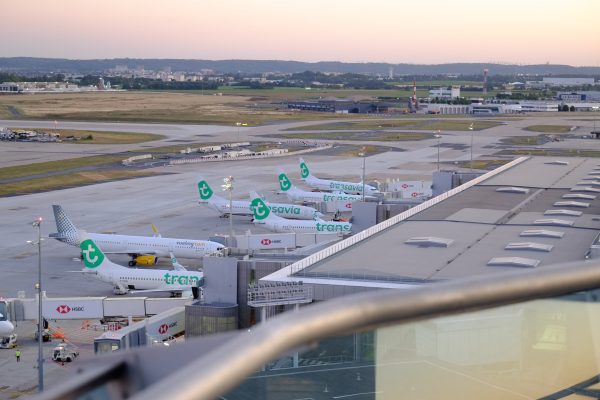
(10,77)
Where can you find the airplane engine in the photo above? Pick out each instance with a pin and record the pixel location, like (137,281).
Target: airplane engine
(144,260)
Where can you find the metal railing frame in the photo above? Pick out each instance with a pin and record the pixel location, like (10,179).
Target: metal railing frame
(214,373)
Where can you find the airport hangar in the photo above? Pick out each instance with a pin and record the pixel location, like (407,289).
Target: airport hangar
(530,213)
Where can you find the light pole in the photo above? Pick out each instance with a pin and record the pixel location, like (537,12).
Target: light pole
(229,187)
(595,109)
(438,137)
(363,155)
(38,223)
(471,163)
(238,124)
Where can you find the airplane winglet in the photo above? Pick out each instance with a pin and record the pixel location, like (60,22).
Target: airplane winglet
(155,230)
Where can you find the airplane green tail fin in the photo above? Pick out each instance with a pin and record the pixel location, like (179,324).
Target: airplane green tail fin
(204,190)
(284,182)
(260,210)
(304,171)
(91,254)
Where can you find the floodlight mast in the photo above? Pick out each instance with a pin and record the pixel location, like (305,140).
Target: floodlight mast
(38,223)
(228,185)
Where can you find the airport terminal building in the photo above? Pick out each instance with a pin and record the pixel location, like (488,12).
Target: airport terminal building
(530,213)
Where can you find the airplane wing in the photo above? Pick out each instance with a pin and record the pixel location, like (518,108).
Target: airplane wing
(161,290)
(132,251)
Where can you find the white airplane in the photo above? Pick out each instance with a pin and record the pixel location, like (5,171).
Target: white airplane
(296,194)
(333,185)
(136,280)
(143,250)
(263,216)
(242,207)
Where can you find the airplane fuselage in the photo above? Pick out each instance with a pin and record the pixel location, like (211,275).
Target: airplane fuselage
(242,207)
(144,279)
(285,225)
(296,194)
(159,246)
(333,185)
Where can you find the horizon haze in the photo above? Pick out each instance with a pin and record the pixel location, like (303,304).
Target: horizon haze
(430,32)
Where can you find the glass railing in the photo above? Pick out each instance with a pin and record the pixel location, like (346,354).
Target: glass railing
(522,335)
(538,349)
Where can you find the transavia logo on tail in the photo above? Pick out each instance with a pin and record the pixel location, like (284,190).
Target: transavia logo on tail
(303,170)
(260,209)
(92,256)
(204,190)
(284,182)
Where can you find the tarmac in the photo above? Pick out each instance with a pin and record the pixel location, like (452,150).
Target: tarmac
(21,378)
(170,201)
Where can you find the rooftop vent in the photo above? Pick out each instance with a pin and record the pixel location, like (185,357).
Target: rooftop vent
(529,246)
(429,241)
(553,222)
(591,183)
(543,233)
(514,262)
(578,196)
(572,213)
(570,203)
(557,162)
(512,189)
(585,189)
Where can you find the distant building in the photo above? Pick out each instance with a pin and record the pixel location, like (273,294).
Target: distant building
(448,109)
(552,81)
(579,96)
(10,88)
(445,93)
(339,106)
(477,109)
(538,106)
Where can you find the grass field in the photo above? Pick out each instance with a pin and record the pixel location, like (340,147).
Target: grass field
(189,107)
(225,106)
(99,137)
(525,140)
(549,128)
(67,181)
(553,152)
(55,166)
(483,164)
(419,124)
(366,149)
(376,136)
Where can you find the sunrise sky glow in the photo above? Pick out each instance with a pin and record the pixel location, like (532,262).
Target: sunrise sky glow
(425,31)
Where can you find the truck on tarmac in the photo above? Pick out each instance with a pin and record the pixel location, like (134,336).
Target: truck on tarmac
(8,342)
(64,352)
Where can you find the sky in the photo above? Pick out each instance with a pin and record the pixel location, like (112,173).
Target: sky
(394,31)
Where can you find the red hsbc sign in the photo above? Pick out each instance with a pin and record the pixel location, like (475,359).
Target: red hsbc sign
(266,242)
(63,309)
(348,205)
(163,329)
(414,194)
(404,185)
